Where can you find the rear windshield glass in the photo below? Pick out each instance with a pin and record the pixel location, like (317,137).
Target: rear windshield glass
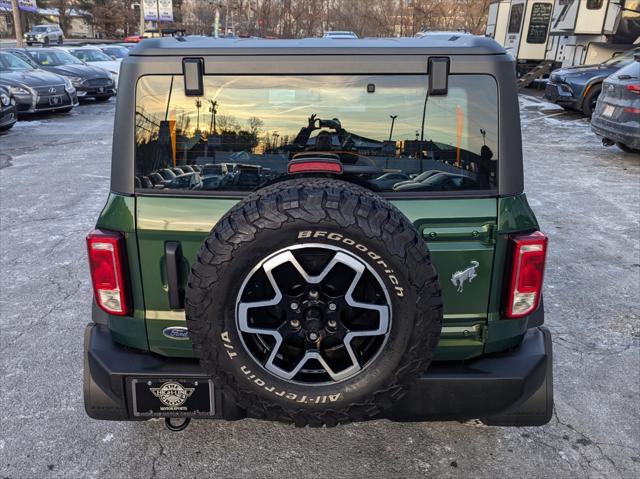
(622,59)
(630,72)
(118,52)
(245,131)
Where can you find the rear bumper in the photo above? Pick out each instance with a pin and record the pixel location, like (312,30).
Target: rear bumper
(616,132)
(512,388)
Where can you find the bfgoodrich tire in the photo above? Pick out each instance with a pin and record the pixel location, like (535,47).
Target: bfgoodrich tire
(314,301)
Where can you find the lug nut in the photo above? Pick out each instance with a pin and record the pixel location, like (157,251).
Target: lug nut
(314,295)
(313,336)
(294,323)
(332,306)
(294,305)
(332,324)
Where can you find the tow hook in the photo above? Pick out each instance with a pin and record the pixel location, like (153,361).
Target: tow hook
(607,142)
(176,427)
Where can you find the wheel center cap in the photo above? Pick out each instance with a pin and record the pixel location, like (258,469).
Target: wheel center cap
(313,320)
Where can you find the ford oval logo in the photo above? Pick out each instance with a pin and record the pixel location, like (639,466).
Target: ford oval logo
(176,332)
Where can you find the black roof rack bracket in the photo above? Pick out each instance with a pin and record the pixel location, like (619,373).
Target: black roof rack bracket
(193,70)
(438,75)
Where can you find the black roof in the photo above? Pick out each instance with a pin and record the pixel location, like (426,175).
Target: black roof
(432,44)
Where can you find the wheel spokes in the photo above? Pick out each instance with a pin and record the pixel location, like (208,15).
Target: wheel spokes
(313,351)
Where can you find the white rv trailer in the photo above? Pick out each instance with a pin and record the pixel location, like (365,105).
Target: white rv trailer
(592,31)
(498,19)
(564,32)
(521,26)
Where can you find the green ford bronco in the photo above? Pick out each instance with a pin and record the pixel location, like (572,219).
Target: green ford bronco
(318,231)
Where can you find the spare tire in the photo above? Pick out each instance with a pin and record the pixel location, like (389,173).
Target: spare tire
(314,301)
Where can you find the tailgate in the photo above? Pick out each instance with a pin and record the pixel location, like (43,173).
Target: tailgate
(459,233)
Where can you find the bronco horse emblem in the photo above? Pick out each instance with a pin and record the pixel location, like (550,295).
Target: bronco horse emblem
(459,277)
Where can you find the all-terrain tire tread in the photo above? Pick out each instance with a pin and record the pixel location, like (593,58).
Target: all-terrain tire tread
(312,200)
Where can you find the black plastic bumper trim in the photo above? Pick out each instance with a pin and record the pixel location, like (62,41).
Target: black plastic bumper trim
(512,388)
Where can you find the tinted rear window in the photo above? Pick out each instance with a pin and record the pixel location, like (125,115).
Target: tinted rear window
(243,132)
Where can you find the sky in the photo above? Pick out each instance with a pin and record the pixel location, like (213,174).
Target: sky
(284,103)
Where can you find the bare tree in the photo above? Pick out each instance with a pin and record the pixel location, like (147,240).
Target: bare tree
(227,123)
(292,18)
(255,124)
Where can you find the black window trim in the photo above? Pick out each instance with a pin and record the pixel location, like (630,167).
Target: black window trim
(389,195)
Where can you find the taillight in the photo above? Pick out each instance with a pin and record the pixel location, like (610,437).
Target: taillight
(634,88)
(106,261)
(527,274)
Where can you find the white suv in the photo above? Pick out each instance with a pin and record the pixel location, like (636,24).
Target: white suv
(45,34)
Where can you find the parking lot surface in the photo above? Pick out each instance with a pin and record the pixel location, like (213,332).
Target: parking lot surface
(54,179)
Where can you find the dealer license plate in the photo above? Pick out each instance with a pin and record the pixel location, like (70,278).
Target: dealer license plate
(172,397)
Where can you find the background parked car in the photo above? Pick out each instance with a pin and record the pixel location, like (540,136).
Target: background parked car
(386,181)
(416,178)
(127,45)
(117,52)
(215,176)
(35,90)
(186,181)
(156,179)
(340,35)
(617,115)
(45,34)
(96,57)
(167,174)
(439,182)
(8,112)
(578,88)
(134,38)
(89,81)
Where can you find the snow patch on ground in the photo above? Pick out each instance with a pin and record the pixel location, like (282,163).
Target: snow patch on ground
(540,110)
(537,103)
(30,124)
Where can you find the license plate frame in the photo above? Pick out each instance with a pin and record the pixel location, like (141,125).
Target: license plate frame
(172,397)
(55,100)
(608,110)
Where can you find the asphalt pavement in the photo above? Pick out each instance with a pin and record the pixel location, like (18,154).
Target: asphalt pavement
(54,179)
